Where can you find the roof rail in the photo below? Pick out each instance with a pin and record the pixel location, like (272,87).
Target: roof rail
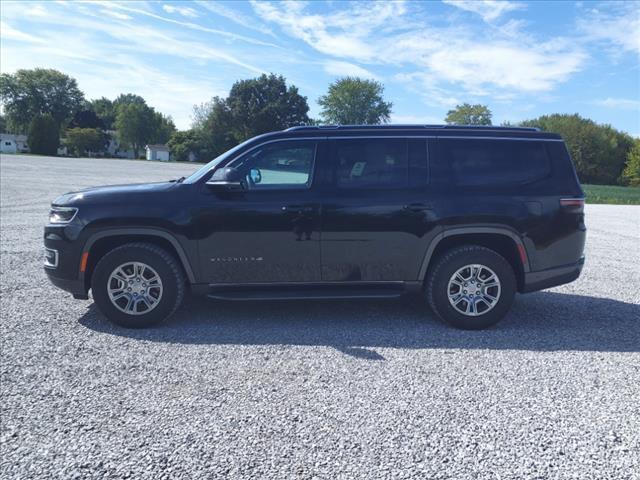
(401,126)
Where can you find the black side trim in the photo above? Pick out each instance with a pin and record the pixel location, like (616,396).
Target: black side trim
(466,231)
(184,260)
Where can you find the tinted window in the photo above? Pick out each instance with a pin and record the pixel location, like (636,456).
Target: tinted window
(278,165)
(381,163)
(495,162)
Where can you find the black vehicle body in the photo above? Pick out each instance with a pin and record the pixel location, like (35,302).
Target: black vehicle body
(324,240)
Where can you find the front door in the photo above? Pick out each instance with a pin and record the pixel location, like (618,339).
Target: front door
(378,220)
(269,232)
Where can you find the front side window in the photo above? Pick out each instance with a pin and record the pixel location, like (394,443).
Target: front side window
(278,165)
(495,162)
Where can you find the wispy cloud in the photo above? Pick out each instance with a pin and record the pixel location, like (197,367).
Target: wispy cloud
(489,10)
(235,16)
(619,103)
(616,25)
(10,33)
(184,11)
(344,69)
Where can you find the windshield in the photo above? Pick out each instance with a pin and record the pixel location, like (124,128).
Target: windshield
(202,171)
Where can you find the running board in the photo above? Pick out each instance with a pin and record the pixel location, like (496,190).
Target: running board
(302,293)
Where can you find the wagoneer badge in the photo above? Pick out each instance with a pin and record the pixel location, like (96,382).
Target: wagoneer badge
(236,259)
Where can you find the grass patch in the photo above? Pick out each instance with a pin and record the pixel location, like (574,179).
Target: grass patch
(612,194)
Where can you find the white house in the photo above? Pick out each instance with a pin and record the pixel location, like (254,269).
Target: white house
(8,143)
(157,152)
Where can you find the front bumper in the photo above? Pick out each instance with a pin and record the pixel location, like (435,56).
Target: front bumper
(552,277)
(64,272)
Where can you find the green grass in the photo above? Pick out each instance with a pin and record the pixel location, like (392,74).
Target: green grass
(612,194)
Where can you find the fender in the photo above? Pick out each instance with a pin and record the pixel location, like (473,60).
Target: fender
(184,260)
(455,231)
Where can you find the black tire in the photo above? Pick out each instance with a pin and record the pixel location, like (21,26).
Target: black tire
(167,268)
(437,286)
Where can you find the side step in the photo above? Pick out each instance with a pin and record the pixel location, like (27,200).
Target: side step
(305,292)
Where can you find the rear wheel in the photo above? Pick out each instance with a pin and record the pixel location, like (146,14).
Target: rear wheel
(138,285)
(471,287)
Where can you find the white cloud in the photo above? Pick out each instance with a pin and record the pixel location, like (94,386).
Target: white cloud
(447,61)
(10,33)
(346,69)
(619,103)
(416,119)
(114,14)
(489,10)
(235,16)
(36,10)
(184,11)
(616,25)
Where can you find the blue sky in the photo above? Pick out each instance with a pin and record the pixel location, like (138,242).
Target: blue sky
(523,59)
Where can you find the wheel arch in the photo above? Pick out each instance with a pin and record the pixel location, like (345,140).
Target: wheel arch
(102,242)
(500,239)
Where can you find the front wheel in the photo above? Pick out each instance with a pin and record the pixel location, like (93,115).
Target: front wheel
(138,285)
(471,287)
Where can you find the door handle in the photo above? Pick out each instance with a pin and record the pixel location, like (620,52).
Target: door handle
(416,207)
(298,209)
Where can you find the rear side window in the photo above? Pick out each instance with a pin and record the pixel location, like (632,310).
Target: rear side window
(495,162)
(381,163)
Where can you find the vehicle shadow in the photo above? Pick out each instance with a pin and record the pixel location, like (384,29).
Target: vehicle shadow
(543,321)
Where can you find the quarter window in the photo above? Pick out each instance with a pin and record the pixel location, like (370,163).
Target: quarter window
(278,165)
(495,162)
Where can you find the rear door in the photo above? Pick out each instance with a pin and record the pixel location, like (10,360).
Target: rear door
(376,217)
(269,232)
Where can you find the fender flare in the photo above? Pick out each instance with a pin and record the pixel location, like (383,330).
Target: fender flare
(457,231)
(182,256)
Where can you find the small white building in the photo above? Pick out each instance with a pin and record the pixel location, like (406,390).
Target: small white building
(8,143)
(158,152)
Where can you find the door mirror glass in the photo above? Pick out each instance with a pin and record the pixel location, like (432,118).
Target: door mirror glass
(256,175)
(226,179)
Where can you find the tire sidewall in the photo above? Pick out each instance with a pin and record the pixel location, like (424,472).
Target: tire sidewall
(458,259)
(114,259)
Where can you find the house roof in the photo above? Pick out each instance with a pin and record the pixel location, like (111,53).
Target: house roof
(158,148)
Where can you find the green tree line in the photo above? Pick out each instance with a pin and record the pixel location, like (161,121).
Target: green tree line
(48,105)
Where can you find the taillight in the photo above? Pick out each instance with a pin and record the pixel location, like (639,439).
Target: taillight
(572,204)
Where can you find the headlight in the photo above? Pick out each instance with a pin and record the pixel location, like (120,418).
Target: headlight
(62,214)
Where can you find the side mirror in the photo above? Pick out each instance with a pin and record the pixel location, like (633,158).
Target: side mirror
(226,180)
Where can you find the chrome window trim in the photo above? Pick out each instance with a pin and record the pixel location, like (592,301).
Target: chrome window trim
(352,137)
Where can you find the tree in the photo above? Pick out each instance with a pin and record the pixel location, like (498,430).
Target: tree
(86,119)
(29,93)
(264,104)
(163,128)
(181,144)
(3,124)
(467,114)
(44,135)
(84,140)
(135,125)
(253,107)
(631,173)
(105,110)
(599,152)
(354,101)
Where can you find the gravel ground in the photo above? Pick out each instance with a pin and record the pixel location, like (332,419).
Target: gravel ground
(340,389)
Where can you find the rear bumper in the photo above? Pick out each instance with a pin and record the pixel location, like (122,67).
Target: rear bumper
(552,277)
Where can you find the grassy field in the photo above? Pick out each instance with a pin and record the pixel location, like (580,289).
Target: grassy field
(612,194)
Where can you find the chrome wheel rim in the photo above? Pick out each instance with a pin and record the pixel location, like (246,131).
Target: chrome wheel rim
(134,288)
(474,290)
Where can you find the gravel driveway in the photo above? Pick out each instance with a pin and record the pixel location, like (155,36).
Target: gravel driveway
(313,389)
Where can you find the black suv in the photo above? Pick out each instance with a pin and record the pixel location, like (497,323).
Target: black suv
(466,216)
